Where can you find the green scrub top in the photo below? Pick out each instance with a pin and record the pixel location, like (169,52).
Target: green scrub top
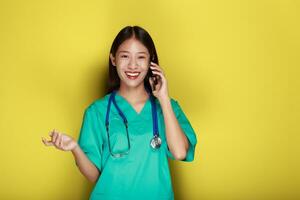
(143,173)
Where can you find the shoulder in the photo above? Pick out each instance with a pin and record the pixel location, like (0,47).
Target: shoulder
(175,105)
(173,101)
(98,105)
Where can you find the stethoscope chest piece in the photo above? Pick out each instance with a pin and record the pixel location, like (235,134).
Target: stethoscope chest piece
(155,142)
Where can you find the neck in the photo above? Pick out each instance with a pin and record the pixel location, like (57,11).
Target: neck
(133,94)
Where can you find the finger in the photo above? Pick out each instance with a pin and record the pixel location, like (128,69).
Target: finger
(54,137)
(57,140)
(47,143)
(155,64)
(56,132)
(155,80)
(156,70)
(50,133)
(160,77)
(153,67)
(160,74)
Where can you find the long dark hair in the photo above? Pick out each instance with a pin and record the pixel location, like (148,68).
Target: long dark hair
(126,33)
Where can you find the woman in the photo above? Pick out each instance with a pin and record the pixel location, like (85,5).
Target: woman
(128,135)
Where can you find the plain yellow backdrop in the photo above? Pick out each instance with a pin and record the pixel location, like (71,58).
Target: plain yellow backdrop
(232,65)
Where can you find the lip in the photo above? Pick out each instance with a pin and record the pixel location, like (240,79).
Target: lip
(132,72)
(130,75)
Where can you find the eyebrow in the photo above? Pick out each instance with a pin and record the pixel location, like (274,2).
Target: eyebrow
(129,52)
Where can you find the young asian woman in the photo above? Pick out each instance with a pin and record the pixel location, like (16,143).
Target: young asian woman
(128,135)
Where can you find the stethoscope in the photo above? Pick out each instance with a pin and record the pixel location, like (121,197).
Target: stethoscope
(155,142)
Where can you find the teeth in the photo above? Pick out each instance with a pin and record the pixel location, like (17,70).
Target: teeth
(132,74)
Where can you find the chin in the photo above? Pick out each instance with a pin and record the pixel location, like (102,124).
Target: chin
(132,84)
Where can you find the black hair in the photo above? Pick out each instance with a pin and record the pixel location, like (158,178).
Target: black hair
(126,33)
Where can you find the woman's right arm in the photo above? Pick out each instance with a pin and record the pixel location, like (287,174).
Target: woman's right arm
(67,143)
(87,168)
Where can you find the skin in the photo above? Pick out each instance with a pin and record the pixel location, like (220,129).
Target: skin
(131,56)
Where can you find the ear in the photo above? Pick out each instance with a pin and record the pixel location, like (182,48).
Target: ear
(112,59)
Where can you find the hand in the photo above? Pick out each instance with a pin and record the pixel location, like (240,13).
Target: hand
(60,141)
(161,89)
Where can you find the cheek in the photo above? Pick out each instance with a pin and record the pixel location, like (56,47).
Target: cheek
(145,66)
(144,63)
(145,71)
(122,62)
(121,66)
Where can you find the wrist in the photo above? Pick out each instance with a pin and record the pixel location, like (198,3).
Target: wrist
(164,99)
(76,148)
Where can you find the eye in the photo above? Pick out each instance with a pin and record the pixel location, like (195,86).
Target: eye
(141,57)
(124,56)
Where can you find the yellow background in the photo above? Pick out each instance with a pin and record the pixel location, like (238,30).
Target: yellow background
(232,65)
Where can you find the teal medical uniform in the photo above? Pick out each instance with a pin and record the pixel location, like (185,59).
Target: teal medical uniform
(143,173)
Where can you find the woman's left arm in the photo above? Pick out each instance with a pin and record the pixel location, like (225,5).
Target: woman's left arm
(177,141)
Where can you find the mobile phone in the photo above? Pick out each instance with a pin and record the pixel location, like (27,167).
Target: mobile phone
(154,77)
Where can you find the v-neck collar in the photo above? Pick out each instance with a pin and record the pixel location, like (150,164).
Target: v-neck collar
(130,112)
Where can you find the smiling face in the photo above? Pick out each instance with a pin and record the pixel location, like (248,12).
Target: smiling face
(132,63)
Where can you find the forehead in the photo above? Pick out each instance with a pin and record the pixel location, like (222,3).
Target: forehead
(132,45)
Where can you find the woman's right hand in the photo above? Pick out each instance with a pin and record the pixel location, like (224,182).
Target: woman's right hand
(60,141)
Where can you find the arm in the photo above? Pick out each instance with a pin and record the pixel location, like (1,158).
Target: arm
(66,143)
(176,139)
(86,167)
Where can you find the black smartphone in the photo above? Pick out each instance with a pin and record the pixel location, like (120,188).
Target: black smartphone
(154,77)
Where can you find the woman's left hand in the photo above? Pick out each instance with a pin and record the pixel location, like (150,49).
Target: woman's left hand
(161,89)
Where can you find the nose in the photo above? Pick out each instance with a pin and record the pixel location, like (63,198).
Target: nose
(133,64)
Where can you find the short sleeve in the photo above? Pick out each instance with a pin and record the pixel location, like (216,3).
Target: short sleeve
(90,139)
(187,129)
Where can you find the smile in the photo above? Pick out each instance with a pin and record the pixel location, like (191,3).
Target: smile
(132,75)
